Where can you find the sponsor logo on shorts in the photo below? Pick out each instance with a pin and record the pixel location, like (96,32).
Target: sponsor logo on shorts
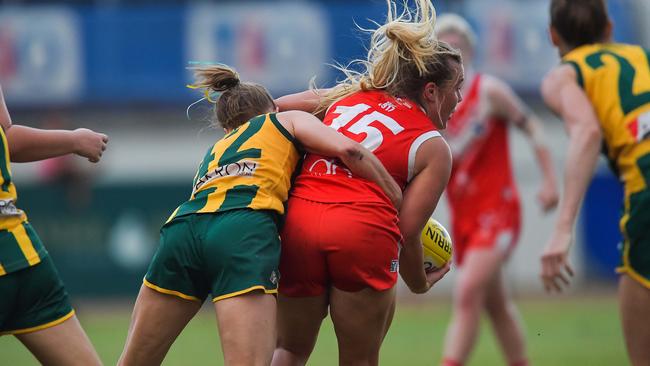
(394,265)
(244,168)
(274,278)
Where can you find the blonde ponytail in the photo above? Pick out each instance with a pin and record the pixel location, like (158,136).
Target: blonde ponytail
(216,78)
(404,54)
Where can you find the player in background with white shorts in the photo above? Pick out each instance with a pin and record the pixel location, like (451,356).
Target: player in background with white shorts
(484,203)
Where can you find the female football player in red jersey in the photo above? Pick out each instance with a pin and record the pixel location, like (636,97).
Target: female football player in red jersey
(34,305)
(484,203)
(342,237)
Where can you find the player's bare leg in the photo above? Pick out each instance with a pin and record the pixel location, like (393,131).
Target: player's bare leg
(479,269)
(299,320)
(391,314)
(360,321)
(156,322)
(635,311)
(506,321)
(247,328)
(62,344)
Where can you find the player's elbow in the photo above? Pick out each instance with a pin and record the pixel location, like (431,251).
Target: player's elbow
(594,132)
(587,130)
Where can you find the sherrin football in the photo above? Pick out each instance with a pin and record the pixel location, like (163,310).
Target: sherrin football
(436,245)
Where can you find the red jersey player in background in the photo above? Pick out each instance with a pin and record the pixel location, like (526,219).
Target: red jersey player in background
(340,243)
(484,203)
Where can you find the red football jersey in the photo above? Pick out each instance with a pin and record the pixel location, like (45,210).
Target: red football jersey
(481,181)
(392,128)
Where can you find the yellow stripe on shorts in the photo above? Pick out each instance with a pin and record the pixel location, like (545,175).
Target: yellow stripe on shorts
(2,270)
(245,291)
(26,245)
(42,326)
(170,292)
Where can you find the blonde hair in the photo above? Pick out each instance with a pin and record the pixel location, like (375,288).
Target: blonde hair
(454,23)
(238,101)
(404,55)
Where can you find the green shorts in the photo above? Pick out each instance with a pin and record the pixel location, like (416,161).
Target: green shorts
(635,225)
(32,299)
(223,254)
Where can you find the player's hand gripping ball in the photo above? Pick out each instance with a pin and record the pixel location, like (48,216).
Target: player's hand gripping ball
(436,245)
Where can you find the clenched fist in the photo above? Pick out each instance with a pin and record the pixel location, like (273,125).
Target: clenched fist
(89,144)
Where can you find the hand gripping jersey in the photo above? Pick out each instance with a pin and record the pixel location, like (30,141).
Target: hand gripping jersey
(392,128)
(251,167)
(482,195)
(19,245)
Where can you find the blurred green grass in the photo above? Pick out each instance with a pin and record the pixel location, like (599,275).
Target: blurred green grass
(570,330)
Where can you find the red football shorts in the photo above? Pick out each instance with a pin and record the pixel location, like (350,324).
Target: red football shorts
(498,228)
(350,246)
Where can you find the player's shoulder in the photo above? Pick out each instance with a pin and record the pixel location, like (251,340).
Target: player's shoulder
(557,76)
(385,103)
(288,121)
(434,145)
(434,151)
(492,85)
(361,96)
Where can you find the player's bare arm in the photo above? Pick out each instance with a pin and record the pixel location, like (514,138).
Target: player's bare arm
(564,96)
(320,139)
(433,164)
(508,106)
(32,144)
(307,101)
(5,118)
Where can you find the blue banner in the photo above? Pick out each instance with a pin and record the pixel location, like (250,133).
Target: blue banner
(139,53)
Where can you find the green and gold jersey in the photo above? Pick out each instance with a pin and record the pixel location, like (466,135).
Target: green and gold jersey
(9,214)
(251,167)
(616,79)
(19,244)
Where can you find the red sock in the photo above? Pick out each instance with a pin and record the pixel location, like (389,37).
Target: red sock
(450,362)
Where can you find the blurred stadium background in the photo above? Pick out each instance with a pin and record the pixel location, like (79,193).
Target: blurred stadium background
(120,67)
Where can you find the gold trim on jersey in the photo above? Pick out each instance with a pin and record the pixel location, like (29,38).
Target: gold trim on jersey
(41,327)
(170,292)
(2,270)
(25,244)
(8,194)
(250,289)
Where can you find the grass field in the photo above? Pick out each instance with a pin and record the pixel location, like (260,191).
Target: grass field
(563,331)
